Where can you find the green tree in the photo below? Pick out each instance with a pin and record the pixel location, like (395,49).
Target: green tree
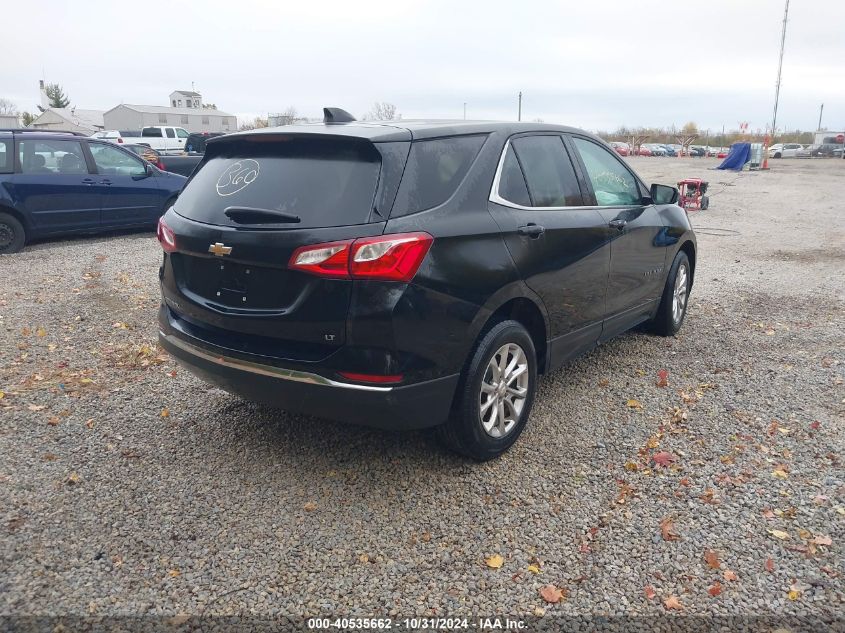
(56,96)
(27,118)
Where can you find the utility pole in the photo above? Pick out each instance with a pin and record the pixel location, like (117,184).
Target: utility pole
(780,68)
(519,112)
(465,110)
(821,110)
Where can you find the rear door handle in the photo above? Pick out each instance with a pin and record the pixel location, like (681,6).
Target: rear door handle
(88,181)
(105,182)
(616,223)
(532,230)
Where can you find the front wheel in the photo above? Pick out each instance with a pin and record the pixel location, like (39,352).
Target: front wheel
(705,203)
(12,234)
(673,303)
(495,395)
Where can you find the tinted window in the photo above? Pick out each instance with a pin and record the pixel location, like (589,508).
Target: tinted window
(51,157)
(151,132)
(548,171)
(612,183)
(324,182)
(6,163)
(512,183)
(434,170)
(170,133)
(115,162)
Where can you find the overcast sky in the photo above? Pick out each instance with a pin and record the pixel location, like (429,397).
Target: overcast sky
(595,64)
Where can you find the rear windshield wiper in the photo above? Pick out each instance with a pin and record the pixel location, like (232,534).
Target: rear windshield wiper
(253,215)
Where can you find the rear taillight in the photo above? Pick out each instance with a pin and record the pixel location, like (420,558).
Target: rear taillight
(119,140)
(166,236)
(380,379)
(160,165)
(385,257)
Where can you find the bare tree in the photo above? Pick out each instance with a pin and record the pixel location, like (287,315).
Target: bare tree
(7,107)
(289,117)
(256,123)
(383,111)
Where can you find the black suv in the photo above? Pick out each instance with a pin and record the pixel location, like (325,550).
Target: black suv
(414,274)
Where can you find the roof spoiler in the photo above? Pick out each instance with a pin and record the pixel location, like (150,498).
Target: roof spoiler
(336,115)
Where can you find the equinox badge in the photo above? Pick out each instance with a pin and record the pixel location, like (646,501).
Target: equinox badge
(219,249)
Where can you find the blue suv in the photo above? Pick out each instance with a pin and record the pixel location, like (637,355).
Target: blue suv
(54,183)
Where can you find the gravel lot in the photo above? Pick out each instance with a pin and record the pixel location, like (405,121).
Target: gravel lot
(129,487)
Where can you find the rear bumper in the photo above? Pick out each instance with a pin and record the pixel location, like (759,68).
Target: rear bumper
(414,406)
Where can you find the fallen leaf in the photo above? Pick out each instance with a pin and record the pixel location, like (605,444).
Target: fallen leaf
(426,537)
(650,593)
(41,332)
(822,540)
(684,481)
(72,479)
(662,378)
(780,473)
(36,407)
(495,561)
(552,594)
(711,558)
(804,534)
(715,589)
(635,404)
(729,575)
(770,565)
(89,423)
(783,536)
(53,421)
(49,457)
(534,569)
(165,412)
(631,467)
(667,529)
(604,382)
(2,394)
(673,603)
(815,425)
(709,496)
(310,506)
(539,612)
(794,594)
(768,513)
(173,573)
(364,558)
(663,458)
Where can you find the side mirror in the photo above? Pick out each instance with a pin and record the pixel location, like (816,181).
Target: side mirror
(664,194)
(148,171)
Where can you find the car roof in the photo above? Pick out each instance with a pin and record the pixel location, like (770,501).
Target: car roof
(31,133)
(405,130)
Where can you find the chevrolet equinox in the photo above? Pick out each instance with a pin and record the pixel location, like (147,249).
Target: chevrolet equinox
(411,274)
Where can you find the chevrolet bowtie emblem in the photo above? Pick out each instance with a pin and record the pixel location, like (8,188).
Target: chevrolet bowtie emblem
(219,249)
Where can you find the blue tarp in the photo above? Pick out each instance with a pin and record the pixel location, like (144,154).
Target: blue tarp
(739,155)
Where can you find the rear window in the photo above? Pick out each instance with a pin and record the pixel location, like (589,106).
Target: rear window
(435,169)
(151,132)
(323,181)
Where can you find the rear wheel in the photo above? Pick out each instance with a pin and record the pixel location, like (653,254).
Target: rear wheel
(705,203)
(778,155)
(12,234)
(673,304)
(495,395)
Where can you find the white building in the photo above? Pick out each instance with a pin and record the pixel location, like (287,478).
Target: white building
(9,121)
(128,116)
(185,99)
(70,119)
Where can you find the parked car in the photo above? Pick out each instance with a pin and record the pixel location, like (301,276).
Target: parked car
(822,150)
(57,183)
(114,136)
(785,150)
(670,151)
(656,150)
(370,273)
(697,151)
(195,143)
(163,138)
(147,153)
(643,150)
(621,148)
(182,165)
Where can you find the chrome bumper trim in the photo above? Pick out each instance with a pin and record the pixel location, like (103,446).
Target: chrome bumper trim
(266,370)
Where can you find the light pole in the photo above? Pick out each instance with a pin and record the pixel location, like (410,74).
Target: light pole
(519,111)
(780,69)
(821,110)
(465,110)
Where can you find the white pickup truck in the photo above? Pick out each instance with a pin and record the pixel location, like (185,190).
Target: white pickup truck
(164,139)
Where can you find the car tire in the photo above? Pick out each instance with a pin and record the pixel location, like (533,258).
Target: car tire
(778,155)
(675,299)
(487,418)
(12,234)
(705,203)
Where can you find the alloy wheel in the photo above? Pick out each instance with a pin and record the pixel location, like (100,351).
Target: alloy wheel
(504,388)
(7,235)
(679,296)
